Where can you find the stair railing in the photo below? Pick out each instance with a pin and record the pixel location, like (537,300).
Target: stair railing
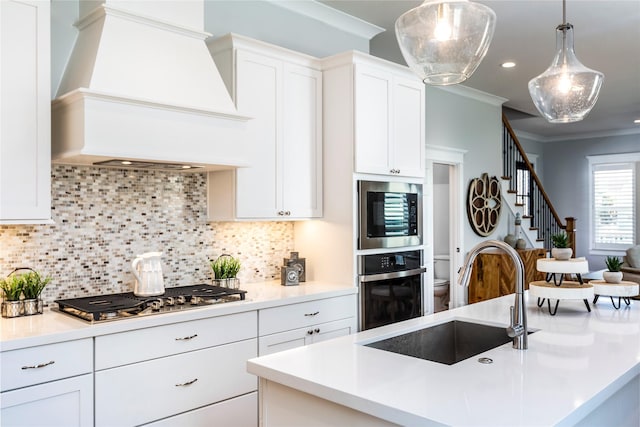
(544,218)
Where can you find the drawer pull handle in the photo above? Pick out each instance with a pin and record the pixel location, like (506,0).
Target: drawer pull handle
(41,365)
(187,338)
(312,314)
(187,383)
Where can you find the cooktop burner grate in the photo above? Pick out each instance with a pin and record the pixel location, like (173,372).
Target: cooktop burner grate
(124,305)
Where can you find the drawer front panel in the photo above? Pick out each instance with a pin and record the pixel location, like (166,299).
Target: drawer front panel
(35,365)
(237,412)
(150,343)
(281,341)
(152,390)
(280,319)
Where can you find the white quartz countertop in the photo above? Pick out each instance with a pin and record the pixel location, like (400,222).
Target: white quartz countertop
(52,326)
(575,361)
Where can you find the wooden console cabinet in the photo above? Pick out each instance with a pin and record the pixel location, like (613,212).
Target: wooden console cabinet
(494,275)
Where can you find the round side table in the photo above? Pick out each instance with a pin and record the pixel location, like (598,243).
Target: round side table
(552,266)
(566,291)
(623,290)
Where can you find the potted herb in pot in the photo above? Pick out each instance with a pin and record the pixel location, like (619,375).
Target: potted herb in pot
(33,284)
(614,275)
(11,287)
(561,250)
(225,269)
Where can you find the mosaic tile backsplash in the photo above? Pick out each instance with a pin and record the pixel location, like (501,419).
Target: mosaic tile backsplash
(105,217)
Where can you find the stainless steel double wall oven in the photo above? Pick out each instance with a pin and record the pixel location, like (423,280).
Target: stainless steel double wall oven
(391,283)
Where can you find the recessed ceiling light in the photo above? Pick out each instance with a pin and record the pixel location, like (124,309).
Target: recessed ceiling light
(125,162)
(637,121)
(508,64)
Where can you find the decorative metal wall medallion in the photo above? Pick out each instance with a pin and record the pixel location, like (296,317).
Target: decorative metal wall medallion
(483,204)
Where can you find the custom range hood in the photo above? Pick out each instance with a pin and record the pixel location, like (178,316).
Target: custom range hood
(141,90)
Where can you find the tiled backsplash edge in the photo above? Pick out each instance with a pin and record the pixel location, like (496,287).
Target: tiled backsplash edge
(105,217)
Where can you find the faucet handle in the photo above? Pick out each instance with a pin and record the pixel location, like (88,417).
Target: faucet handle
(514,330)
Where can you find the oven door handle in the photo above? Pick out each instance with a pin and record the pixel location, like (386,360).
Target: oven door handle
(392,275)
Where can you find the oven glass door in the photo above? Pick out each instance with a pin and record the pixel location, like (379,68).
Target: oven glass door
(390,300)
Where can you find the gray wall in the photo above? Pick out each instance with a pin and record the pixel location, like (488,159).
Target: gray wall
(460,122)
(566,173)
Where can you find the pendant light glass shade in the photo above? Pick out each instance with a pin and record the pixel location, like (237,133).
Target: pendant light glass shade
(443,42)
(567,90)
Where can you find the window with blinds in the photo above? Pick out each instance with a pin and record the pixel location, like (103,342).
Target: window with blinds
(614,205)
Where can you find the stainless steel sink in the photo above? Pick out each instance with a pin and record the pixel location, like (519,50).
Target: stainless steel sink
(446,343)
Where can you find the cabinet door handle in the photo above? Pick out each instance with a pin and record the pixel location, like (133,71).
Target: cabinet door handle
(280,213)
(187,338)
(187,383)
(312,314)
(316,330)
(310,332)
(287,213)
(41,365)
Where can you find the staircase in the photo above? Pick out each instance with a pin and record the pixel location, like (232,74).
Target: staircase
(540,220)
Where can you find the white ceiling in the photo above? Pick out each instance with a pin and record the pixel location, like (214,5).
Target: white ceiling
(607,39)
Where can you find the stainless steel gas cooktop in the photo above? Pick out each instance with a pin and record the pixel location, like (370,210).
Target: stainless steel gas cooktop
(126,305)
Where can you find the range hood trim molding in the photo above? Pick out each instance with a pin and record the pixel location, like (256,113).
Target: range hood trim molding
(104,10)
(81,93)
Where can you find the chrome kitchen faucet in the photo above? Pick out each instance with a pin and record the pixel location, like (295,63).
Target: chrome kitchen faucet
(518,315)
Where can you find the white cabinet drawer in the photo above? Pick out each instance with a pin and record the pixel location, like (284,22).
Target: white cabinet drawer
(241,411)
(35,365)
(62,403)
(150,343)
(279,319)
(155,389)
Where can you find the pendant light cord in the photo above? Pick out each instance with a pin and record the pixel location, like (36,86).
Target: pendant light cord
(564,12)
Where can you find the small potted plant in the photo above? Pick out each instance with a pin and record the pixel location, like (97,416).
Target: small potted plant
(225,269)
(33,284)
(614,275)
(561,250)
(11,287)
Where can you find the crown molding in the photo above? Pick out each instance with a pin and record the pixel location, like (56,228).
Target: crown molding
(475,94)
(332,17)
(575,137)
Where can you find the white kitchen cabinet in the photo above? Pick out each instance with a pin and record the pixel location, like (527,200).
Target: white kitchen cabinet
(295,325)
(147,391)
(48,385)
(387,103)
(174,369)
(25,112)
(282,91)
(305,336)
(63,403)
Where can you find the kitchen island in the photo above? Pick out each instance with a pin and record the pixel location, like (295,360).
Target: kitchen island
(580,368)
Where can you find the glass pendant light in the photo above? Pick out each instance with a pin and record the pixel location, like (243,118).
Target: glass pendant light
(443,42)
(567,90)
